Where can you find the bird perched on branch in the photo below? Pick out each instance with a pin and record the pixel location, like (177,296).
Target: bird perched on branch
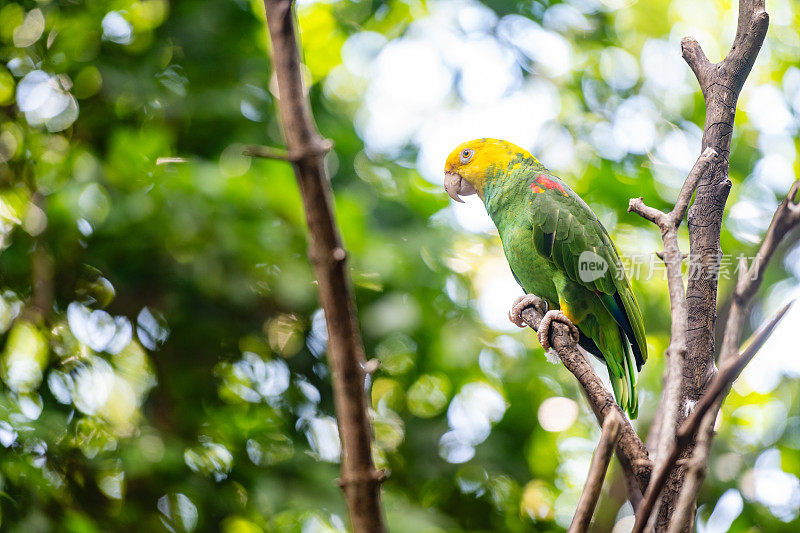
(559,251)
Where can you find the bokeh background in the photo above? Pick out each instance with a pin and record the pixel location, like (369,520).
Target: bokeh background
(163,352)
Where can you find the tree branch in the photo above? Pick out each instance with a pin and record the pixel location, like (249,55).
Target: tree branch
(721,84)
(633,489)
(268,152)
(693,54)
(786,217)
(693,480)
(750,32)
(359,479)
(715,393)
(630,449)
(597,474)
(672,257)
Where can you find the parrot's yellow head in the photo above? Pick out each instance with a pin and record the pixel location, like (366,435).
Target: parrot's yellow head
(472,163)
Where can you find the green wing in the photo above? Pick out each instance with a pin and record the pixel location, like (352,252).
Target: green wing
(567,231)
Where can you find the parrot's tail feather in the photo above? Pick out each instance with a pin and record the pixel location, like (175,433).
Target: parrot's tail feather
(630,391)
(631,404)
(630,377)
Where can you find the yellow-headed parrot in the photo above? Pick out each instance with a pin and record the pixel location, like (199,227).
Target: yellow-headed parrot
(559,251)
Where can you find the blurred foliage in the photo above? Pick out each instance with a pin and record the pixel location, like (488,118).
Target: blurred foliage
(163,354)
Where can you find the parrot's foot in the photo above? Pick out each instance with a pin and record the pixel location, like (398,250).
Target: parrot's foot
(527,300)
(544,327)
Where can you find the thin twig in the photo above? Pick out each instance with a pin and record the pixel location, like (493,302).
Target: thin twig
(632,487)
(687,191)
(597,474)
(729,371)
(360,480)
(269,152)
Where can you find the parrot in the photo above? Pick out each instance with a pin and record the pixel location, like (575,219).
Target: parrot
(558,251)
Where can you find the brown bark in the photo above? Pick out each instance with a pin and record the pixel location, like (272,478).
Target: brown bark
(786,218)
(721,84)
(688,431)
(668,223)
(306,150)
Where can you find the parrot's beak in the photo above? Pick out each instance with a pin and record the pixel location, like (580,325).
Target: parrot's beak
(455,185)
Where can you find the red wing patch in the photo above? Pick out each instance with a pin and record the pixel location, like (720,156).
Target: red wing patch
(543,182)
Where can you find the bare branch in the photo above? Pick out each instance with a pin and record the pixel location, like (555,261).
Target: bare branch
(730,371)
(750,32)
(637,205)
(702,422)
(687,191)
(693,480)
(632,486)
(721,84)
(630,449)
(786,217)
(693,55)
(672,257)
(597,474)
(359,479)
(715,393)
(268,152)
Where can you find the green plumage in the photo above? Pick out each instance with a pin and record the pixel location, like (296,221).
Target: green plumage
(551,239)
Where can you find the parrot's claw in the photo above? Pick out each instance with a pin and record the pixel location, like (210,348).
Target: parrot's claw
(520,304)
(544,327)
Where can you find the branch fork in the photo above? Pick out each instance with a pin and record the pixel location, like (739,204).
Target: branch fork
(691,368)
(688,431)
(698,426)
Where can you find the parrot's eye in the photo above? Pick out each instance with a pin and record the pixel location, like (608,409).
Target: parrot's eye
(466,155)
